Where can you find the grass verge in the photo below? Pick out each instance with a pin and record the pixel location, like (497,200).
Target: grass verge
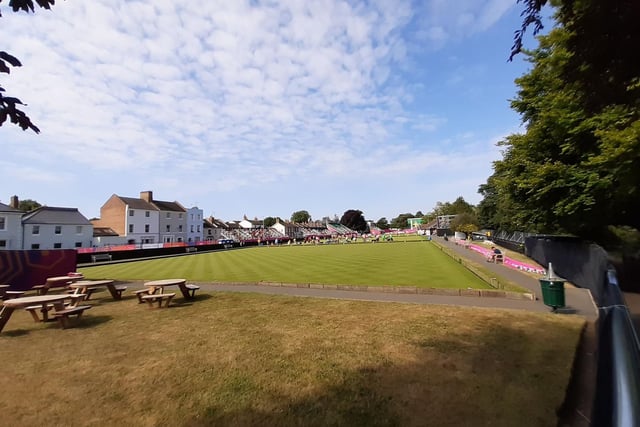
(248,359)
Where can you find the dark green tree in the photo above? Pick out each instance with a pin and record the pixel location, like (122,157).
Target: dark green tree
(9,105)
(465,222)
(382,223)
(576,169)
(28,205)
(269,221)
(401,221)
(300,217)
(354,219)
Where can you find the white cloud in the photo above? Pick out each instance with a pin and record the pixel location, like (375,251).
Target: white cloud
(227,92)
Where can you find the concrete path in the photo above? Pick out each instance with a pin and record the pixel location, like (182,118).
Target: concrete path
(577,300)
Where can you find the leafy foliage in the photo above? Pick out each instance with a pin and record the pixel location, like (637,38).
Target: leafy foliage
(300,216)
(576,169)
(382,223)
(401,221)
(9,106)
(465,222)
(28,205)
(354,220)
(269,221)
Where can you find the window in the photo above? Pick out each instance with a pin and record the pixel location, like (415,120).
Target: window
(58,229)
(168,228)
(78,229)
(36,229)
(180,215)
(168,214)
(180,227)
(130,212)
(130,228)
(57,245)
(78,244)
(35,246)
(146,228)
(192,228)
(147,213)
(3,222)
(3,243)
(198,230)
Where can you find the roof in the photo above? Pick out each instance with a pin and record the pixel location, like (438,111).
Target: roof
(168,206)
(7,208)
(104,232)
(53,215)
(135,203)
(215,223)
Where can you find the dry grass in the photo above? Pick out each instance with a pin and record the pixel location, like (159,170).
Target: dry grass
(247,359)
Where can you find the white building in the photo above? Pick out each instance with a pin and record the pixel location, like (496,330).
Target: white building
(10,226)
(56,228)
(195,224)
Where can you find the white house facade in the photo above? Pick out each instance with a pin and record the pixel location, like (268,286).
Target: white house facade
(195,232)
(56,228)
(10,227)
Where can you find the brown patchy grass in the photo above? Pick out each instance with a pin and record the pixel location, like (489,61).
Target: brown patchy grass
(248,359)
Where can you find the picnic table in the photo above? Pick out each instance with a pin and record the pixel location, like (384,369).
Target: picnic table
(87,287)
(188,291)
(10,305)
(56,282)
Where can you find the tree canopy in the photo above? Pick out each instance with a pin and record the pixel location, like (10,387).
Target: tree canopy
(354,219)
(28,205)
(269,221)
(300,216)
(382,223)
(9,105)
(576,169)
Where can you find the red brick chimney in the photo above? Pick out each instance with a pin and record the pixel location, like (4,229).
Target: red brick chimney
(14,203)
(147,196)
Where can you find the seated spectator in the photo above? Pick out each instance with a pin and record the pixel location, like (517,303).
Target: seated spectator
(494,251)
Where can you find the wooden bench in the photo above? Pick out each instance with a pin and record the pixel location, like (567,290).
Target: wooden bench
(150,299)
(13,294)
(119,290)
(75,300)
(191,290)
(100,257)
(141,293)
(63,315)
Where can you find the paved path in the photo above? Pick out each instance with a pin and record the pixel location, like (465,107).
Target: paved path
(577,300)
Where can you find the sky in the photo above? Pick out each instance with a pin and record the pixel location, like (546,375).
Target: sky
(260,108)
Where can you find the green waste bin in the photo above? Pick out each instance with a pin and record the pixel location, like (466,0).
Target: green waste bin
(552,292)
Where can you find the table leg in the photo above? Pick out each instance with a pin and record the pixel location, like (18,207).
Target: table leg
(185,291)
(113,292)
(5,314)
(45,313)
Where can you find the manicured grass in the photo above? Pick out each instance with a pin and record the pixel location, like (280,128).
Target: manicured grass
(248,359)
(418,264)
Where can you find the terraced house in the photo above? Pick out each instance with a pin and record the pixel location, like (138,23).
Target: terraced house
(44,228)
(144,220)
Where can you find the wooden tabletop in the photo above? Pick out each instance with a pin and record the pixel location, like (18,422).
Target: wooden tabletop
(63,278)
(85,283)
(166,282)
(38,299)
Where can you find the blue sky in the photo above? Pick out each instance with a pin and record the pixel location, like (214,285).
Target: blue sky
(260,108)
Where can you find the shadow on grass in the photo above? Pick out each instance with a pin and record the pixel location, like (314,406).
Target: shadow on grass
(85,322)
(490,378)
